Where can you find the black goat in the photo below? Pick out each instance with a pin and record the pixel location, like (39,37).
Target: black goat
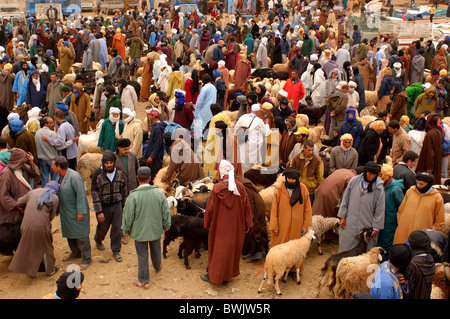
(314,113)
(329,269)
(9,238)
(190,207)
(195,236)
(177,221)
(264,176)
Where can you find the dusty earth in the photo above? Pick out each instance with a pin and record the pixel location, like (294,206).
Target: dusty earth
(107,279)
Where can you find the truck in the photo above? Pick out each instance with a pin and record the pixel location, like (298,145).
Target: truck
(66,6)
(109,6)
(9,6)
(185,5)
(87,5)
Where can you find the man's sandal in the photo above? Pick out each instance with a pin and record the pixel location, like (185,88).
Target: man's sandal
(144,285)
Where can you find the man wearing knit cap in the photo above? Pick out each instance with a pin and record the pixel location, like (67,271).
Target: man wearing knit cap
(362,206)
(389,281)
(109,192)
(146,216)
(251,151)
(228,217)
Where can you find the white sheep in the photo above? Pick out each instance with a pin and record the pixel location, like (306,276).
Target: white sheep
(281,258)
(86,166)
(373,256)
(85,140)
(371,97)
(321,225)
(446,228)
(302,120)
(315,133)
(366,119)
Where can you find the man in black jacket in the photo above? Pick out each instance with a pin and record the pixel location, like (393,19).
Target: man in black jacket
(403,170)
(109,191)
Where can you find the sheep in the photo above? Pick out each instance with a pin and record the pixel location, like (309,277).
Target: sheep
(173,203)
(282,257)
(165,187)
(232,115)
(366,119)
(371,97)
(440,288)
(358,280)
(313,113)
(195,236)
(267,194)
(264,176)
(329,269)
(69,78)
(302,120)
(373,256)
(315,133)
(279,67)
(370,110)
(446,228)
(86,166)
(321,225)
(85,140)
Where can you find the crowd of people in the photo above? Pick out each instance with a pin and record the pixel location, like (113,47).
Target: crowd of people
(380,175)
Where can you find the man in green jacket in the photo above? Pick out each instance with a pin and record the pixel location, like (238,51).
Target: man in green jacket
(74,211)
(113,100)
(136,47)
(146,216)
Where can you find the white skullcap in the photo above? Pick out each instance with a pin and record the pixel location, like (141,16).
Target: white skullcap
(255,107)
(397,65)
(221,63)
(283,93)
(174,31)
(264,40)
(34,112)
(313,57)
(226,168)
(426,86)
(353,84)
(13,116)
(218,33)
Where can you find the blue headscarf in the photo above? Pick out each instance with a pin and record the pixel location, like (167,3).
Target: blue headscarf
(16,125)
(217,73)
(179,98)
(120,58)
(352,111)
(46,197)
(62,106)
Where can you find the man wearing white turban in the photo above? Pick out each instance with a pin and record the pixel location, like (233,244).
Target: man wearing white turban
(133,130)
(111,130)
(228,217)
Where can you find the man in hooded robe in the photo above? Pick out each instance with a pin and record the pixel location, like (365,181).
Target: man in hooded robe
(422,208)
(35,250)
(291,213)
(228,217)
(362,206)
(112,128)
(14,183)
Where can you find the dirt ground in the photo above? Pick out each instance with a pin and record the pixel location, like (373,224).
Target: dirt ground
(108,279)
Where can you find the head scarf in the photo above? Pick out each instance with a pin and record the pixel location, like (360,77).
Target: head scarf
(350,111)
(405,119)
(33,116)
(131,114)
(371,167)
(46,197)
(378,125)
(179,100)
(346,136)
(17,125)
(293,173)
(115,121)
(226,168)
(108,156)
(152,100)
(427,178)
